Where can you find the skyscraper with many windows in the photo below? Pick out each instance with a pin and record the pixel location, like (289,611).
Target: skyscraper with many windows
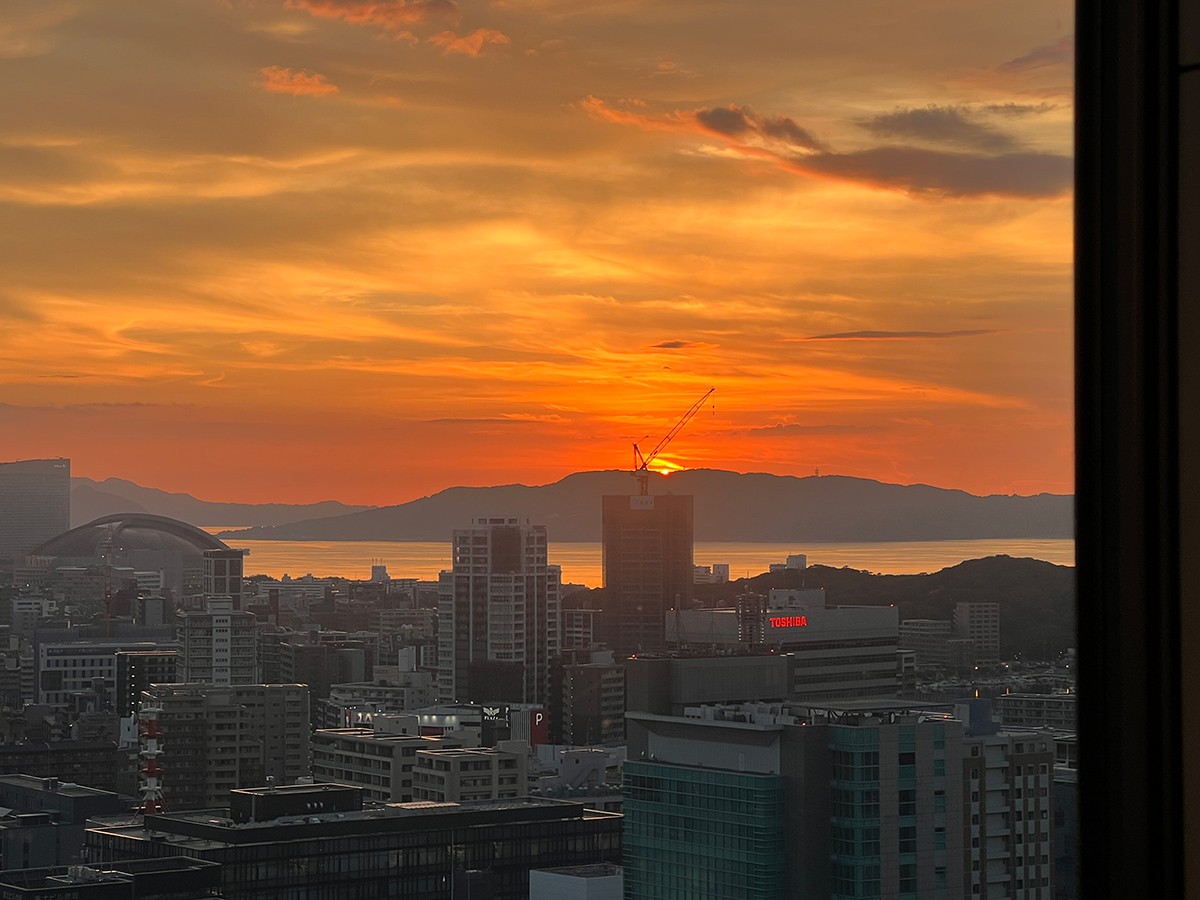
(35,503)
(647,565)
(498,614)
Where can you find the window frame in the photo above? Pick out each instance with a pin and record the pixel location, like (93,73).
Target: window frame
(1137,476)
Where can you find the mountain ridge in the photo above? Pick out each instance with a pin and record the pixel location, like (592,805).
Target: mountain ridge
(729,506)
(91,499)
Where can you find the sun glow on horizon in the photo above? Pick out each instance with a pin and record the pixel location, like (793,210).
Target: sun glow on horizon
(375,258)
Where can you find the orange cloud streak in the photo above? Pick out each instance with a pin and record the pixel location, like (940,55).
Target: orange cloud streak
(468,44)
(392,16)
(280,80)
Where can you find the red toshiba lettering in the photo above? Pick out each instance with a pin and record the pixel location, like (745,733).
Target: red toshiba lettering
(789,621)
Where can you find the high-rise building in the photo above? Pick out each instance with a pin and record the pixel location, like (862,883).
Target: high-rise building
(980,623)
(217,644)
(648,565)
(35,504)
(1008,786)
(215,738)
(498,614)
(764,801)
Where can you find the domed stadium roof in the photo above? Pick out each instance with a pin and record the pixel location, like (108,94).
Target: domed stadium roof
(130,532)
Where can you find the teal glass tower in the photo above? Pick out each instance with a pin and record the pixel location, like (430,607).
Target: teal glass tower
(696,833)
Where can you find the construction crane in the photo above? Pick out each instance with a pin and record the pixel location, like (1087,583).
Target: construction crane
(641,464)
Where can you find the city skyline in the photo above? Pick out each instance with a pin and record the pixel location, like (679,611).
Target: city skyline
(288,251)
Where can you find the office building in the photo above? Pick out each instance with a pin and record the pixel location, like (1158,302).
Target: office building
(222,573)
(648,565)
(858,800)
(602,881)
(378,757)
(498,614)
(980,623)
(1008,787)
(97,764)
(217,644)
(219,737)
(70,667)
(453,775)
(587,701)
(929,639)
(1023,710)
(178,878)
(35,504)
(43,819)
(391,693)
(838,653)
(320,841)
(136,671)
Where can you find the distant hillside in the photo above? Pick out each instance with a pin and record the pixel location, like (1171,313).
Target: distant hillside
(1036,598)
(729,507)
(92,499)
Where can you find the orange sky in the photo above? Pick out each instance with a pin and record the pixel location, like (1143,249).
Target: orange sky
(367,249)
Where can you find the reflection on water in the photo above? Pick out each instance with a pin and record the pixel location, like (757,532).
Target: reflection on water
(581,561)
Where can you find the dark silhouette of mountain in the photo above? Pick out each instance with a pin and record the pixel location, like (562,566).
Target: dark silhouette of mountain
(92,499)
(729,507)
(1036,598)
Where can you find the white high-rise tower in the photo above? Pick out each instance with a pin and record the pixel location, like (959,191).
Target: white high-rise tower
(498,614)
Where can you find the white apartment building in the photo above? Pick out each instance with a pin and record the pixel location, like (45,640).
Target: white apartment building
(379,758)
(498,614)
(481,774)
(217,644)
(395,694)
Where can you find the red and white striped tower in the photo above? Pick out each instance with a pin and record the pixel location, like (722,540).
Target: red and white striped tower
(150,768)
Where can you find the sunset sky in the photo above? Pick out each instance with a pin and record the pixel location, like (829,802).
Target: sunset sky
(294,250)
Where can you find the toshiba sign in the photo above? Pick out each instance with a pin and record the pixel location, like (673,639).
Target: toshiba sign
(788,621)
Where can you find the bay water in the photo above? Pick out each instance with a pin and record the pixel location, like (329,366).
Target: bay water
(581,561)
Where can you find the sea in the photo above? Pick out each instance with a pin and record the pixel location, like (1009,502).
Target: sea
(581,560)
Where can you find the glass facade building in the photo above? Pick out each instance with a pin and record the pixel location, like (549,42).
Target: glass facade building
(692,832)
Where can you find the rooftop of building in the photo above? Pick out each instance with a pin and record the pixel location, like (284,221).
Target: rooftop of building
(30,880)
(53,786)
(595,870)
(212,829)
(130,531)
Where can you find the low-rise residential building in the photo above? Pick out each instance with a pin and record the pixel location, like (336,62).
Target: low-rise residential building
(444,776)
(378,758)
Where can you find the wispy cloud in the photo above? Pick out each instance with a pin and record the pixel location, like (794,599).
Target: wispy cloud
(303,83)
(898,335)
(394,17)
(471,44)
(679,345)
(915,170)
(1059,54)
(942,124)
(789,429)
